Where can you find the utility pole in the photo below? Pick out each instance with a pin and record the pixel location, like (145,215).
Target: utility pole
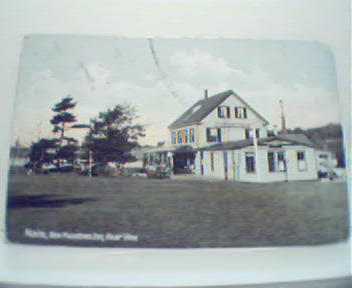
(256,156)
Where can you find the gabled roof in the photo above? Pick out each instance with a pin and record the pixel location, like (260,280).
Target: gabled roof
(298,139)
(203,107)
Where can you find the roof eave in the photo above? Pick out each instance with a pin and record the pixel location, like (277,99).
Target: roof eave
(183,126)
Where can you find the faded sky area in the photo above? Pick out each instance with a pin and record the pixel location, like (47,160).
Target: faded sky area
(163,79)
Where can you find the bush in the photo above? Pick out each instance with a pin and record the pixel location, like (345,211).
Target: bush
(104,171)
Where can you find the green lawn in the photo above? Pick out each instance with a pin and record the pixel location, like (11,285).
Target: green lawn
(176,213)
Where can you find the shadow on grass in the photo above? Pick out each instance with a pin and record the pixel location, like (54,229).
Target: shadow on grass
(41,201)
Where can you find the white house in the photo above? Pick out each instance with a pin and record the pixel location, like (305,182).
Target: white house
(222,118)
(277,158)
(223,137)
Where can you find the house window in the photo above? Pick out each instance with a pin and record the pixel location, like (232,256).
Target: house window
(250,162)
(214,135)
(212,161)
(179,137)
(300,156)
(191,135)
(240,112)
(223,112)
(271,161)
(281,161)
(257,132)
(173,137)
(184,136)
(301,161)
(249,133)
(276,162)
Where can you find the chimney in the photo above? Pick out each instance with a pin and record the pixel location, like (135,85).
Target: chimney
(206,94)
(283,119)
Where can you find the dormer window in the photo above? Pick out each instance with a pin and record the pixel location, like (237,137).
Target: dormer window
(196,108)
(240,112)
(223,112)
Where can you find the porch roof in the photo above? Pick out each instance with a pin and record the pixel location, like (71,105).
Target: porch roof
(298,139)
(174,149)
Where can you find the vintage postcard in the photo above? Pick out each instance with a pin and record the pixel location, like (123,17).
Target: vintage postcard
(176,143)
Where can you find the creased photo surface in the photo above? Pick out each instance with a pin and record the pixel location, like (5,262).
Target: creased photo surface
(176,143)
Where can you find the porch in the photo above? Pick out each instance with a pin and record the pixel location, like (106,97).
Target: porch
(180,159)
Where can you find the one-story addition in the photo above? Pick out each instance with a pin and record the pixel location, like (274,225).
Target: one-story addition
(222,136)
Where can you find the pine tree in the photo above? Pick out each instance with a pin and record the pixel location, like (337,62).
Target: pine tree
(66,151)
(63,117)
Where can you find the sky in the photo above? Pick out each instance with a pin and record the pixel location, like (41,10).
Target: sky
(162,77)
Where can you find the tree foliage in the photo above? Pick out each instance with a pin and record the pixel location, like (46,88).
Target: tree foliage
(67,152)
(330,131)
(113,135)
(43,151)
(68,146)
(62,116)
(65,104)
(326,137)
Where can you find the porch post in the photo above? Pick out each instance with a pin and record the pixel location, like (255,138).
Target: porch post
(255,144)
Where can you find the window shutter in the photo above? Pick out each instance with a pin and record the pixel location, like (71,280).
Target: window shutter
(228,112)
(219,135)
(247,133)
(245,112)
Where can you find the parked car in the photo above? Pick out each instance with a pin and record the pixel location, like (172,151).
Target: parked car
(62,169)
